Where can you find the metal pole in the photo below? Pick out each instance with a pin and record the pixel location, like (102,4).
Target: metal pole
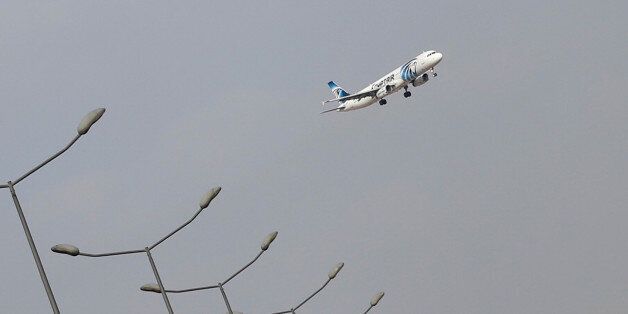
(31,243)
(161,286)
(367,310)
(224,296)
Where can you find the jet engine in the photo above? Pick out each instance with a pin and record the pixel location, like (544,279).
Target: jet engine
(382,92)
(420,80)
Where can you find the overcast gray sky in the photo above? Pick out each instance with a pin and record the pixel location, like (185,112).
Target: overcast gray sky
(498,187)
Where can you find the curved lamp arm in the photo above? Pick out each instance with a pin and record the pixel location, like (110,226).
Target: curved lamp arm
(82,129)
(207,198)
(176,230)
(243,268)
(155,288)
(265,245)
(331,275)
(51,158)
(112,253)
(312,295)
(72,250)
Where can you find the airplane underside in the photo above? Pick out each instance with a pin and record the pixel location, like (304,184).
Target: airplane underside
(367,101)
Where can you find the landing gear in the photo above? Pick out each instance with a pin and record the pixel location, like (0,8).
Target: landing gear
(407,93)
(382,102)
(434,74)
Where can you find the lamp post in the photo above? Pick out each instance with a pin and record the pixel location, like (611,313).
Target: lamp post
(331,275)
(151,287)
(74,251)
(84,126)
(374,300)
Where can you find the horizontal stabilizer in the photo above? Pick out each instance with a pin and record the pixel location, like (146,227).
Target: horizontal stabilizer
(334,109)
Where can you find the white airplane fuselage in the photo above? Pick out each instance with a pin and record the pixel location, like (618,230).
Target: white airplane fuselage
(413,73)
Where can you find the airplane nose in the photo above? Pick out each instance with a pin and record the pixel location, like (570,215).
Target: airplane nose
(438,56)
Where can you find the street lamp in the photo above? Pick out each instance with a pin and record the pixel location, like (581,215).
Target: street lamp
(331,275)
(82,129)
(74,251)
(151,287)
(374,300)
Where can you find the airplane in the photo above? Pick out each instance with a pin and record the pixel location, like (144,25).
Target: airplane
(414,72)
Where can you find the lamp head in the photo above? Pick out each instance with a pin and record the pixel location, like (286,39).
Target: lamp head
(66,249)
(334,271)
(268,240)
(151,287)
(209,196)
(89,120)
(376,298)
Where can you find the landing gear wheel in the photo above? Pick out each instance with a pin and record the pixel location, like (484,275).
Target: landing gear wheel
(433,72)
(407,94)
(382,102)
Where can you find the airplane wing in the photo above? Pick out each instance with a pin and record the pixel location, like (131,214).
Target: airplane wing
(370,93)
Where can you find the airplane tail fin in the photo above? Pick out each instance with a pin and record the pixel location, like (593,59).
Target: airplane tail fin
(337,90)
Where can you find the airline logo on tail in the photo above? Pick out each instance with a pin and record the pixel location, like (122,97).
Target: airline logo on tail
(337,90)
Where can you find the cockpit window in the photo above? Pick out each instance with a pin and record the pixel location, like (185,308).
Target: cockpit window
(431,53)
